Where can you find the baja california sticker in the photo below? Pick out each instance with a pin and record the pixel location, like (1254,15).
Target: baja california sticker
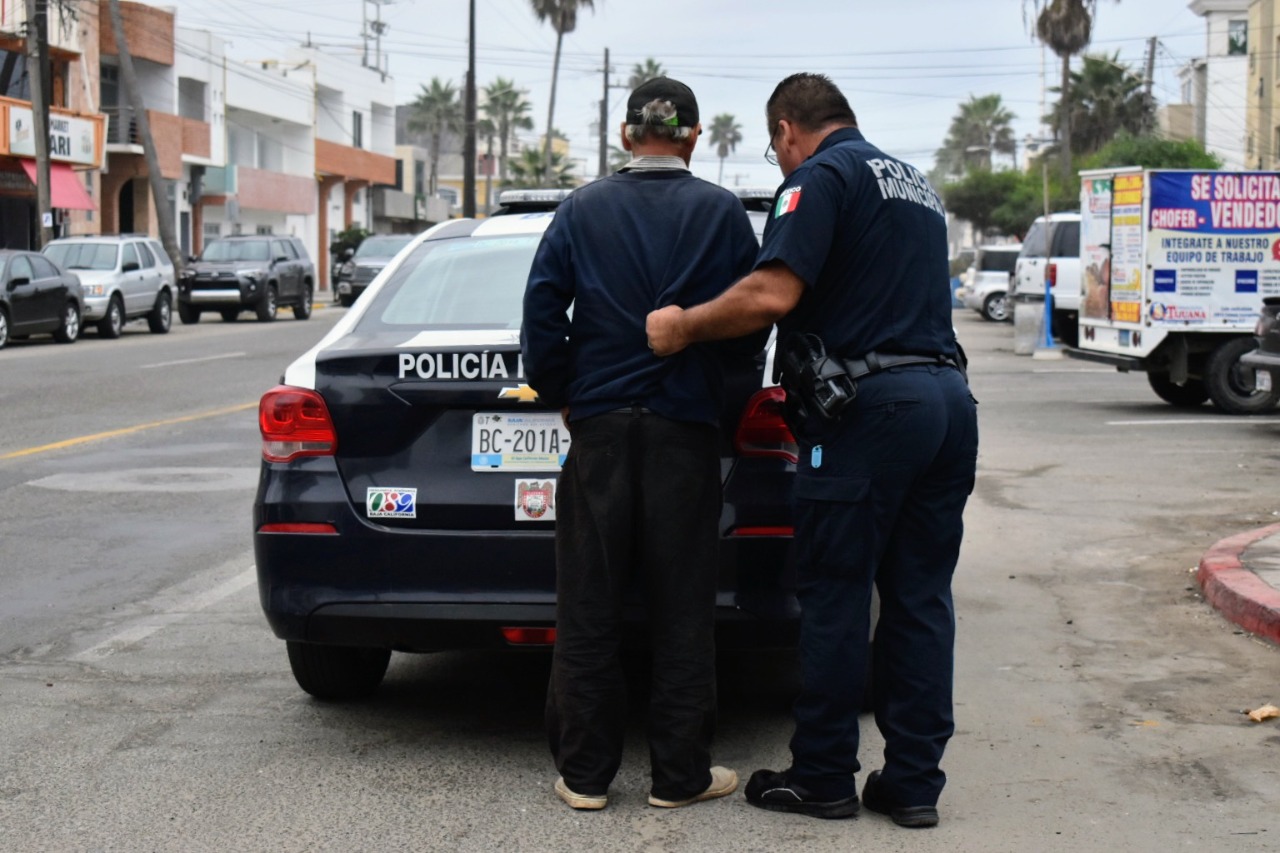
(535,500)
(391,503)
(787,202)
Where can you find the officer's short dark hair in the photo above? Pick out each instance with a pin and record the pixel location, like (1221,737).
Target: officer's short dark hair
(811,101)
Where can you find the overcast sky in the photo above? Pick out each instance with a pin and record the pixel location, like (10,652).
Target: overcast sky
(905,65)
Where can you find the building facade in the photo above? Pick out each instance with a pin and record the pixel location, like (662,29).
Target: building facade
(1262,123)
(1214,86)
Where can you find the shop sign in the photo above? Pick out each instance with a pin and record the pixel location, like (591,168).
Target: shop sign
(71,139)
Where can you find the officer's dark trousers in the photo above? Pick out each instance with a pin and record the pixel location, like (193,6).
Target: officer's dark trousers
(639,505)
(884,506)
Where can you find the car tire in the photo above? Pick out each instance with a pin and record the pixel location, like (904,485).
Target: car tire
(4,327)
(302,311)
(112,323)
(230,315)
(1230,383)
(160,320)
(996,307)
(69,330)
(268,305)
(188,315)
(346,300)
(1186,396)
(336,673)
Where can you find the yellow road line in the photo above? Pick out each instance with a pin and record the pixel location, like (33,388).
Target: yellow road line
(84,439)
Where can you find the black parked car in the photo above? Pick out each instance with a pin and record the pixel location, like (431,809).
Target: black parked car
(256,272)
(361,266)
(407,492)
(1265,360)
(38,297)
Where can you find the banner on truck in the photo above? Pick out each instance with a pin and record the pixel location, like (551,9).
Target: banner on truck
(1213,246)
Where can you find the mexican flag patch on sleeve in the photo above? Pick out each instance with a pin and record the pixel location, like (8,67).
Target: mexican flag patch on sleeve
(787,202)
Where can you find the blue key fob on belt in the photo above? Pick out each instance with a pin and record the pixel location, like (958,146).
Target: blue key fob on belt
(815,456)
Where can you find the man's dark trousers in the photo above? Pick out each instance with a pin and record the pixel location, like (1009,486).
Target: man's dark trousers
(882,505)
(638,504)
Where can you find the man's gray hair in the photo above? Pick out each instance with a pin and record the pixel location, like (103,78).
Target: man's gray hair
(654,117)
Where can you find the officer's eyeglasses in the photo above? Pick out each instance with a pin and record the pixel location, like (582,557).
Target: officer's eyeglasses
(771,156)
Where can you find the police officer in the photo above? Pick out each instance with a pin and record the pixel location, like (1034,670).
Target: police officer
(639,495)
(854,265)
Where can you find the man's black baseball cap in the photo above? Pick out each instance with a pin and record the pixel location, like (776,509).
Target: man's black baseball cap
(676,93)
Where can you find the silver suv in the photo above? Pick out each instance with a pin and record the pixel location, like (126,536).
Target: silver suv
(124,276)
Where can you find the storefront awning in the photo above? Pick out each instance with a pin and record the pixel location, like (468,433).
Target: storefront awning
(65,189)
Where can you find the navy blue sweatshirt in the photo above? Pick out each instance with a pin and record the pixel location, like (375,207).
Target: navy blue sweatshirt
(617,249)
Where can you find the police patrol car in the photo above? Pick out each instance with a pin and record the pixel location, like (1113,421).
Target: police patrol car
(407,499)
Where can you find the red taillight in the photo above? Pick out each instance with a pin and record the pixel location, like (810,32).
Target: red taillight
(762,431)
(295,422)
(529,636)
(300,527)
(765,530)
(1051,274)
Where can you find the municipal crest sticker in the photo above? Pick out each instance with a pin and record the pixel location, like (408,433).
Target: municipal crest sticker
(391,502)
(536,500)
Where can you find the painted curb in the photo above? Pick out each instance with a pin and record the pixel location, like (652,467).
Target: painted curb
(1236,592)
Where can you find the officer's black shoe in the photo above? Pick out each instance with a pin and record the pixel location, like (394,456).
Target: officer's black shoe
(770,790)
(913,817)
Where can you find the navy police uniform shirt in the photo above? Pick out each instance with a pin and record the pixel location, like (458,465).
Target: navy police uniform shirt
(868,236)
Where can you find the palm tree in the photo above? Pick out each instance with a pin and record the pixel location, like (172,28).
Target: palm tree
(1066,27)
(726,133)
(508,111)
(436,111)
(1106,98)
(563,15)
(980,129)
(643,72)
(530,171)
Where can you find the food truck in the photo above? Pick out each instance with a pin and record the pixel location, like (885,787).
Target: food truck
(1175,265)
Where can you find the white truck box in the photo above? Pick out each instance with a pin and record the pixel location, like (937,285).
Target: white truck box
(1175,266)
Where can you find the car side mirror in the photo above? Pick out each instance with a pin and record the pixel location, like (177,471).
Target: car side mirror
(18,282)
(192,259)
(347,254)
(131,266)
(281,259)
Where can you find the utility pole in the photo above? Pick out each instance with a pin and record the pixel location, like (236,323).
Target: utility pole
(604,116)
(469,142)
(1148,79)
(37,59)
(372,30)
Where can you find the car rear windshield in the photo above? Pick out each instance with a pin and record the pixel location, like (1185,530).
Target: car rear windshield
(236,250)
(463,283)
(83,256)
(998,261)
(382,247)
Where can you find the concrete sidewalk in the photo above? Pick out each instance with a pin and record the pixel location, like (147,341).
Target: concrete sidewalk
(1240,576)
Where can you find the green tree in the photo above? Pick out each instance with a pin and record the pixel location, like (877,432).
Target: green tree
(975,197)
(1105,98)
(1152,152)
(1008,201)
(980,129)
(1065,26)
(563,17)
(507,111)
(530,171)
(436,111)
(726,133)
(643,72)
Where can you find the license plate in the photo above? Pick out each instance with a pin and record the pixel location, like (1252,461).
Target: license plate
(518,441)
(1262,380)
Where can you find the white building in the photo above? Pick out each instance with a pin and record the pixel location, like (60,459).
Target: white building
(1215,86)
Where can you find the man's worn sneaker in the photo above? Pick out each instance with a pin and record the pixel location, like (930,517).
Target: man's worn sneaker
(723,783)
(912,817)
(771,790)
(580,801)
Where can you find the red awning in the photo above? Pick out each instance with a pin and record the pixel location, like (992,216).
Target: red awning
(65,189)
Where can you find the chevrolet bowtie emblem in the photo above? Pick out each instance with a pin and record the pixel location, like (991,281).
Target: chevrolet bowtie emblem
(523,393)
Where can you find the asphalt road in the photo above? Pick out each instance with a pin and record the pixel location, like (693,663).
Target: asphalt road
(144,705)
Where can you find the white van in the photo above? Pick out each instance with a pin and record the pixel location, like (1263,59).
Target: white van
(1054,240)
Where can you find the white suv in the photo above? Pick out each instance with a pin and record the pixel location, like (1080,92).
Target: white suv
(1057,243)
(986,283)
(125,276)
